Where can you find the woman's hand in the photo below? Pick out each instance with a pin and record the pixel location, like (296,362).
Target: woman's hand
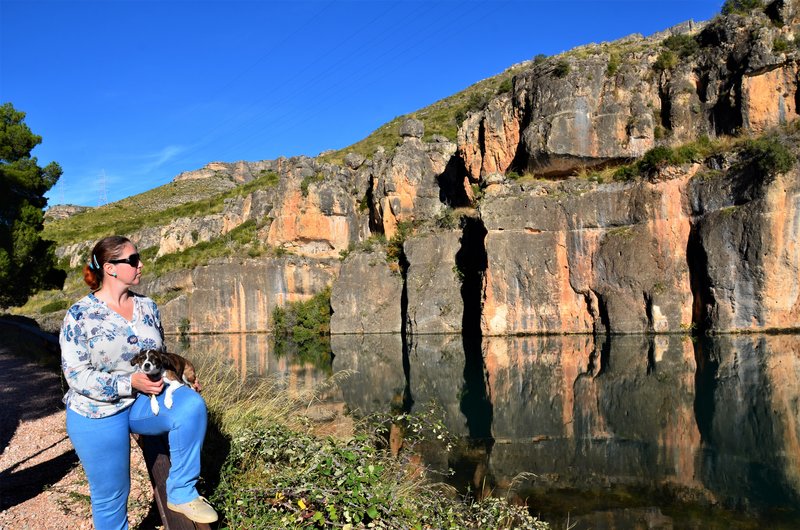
(196,385)
(142,383)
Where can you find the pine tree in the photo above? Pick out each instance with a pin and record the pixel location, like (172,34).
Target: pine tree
(27,262)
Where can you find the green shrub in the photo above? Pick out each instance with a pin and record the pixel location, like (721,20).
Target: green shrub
(477,193)
(303,328)
(768,155)
(308,180)
(780,45)
(276,477)
(661,156)
(304,319)
(667,60)
(683,45)
(513,175)
(449,219)
(394,247)
(656,158)
(55,305)
(741,7)
(626,173)
(539,58)
(613,64)
(561,69)
(506,86)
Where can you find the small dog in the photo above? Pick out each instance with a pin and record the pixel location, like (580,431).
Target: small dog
(174,369)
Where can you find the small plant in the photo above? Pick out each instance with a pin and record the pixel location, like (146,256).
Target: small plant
(539,58)
(183,327)
(657,158)
(308,180)
(683,45)
(477,193)
(667,60)
(363,204)
(55,305)
(768,155)
(459,274)
(561,69)
(780,45)
(613,64)
(423,425)
(449,219)
(513,175)
(505,86)
(626,173)
(394,248)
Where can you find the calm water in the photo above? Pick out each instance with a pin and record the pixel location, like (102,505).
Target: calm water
(626,432)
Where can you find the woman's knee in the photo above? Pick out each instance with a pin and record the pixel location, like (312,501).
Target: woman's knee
(189,404)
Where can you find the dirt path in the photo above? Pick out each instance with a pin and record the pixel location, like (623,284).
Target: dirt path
(42,485)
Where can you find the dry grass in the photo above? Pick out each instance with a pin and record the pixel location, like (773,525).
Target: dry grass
(238,404)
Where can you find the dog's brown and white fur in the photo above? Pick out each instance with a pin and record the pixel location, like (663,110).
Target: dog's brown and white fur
(174,369)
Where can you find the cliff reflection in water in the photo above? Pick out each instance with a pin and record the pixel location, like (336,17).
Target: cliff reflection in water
(622,432)
(629,431)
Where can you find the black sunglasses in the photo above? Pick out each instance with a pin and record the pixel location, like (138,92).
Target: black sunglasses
(132,260)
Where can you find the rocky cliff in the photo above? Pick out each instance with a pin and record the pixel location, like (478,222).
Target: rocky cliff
(575,200)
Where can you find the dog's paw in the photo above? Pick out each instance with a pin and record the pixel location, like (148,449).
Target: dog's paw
(168,400)
(154,407)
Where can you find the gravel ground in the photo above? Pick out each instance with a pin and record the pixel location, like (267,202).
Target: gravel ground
(42,485)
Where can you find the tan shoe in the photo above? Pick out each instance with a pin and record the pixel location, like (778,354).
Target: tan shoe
(197,510)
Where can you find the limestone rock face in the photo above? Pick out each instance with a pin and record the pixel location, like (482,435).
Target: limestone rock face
(366,296)
(407,186)
(570,257)
(412,128)
(600,103)
(239,172)
(233,297)
(321,223)
(745,248)
(435,304)
(488,141)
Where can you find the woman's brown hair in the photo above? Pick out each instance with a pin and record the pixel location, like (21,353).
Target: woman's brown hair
(106,249)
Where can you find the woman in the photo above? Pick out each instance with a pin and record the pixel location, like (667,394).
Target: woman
(106,399)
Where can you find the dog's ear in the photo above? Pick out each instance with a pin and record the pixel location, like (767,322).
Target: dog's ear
(137,358)
(170,360)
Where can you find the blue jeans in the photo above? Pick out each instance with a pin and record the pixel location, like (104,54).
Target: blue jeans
(103,446)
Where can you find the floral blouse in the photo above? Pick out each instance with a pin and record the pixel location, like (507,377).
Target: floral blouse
(97,345)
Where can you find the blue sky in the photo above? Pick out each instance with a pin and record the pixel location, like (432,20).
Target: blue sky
(127,94)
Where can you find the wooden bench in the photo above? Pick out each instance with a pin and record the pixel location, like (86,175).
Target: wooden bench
(156,456)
